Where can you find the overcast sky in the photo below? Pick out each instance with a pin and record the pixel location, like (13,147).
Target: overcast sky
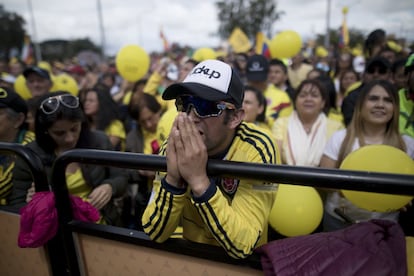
(192,22)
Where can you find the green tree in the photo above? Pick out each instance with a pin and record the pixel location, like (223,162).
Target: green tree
(11,31)
(63,49)
(251,16)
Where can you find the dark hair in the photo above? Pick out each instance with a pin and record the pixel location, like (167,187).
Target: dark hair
(262,102)
(193,61)
(107,109)
(398,64)
(355,129)
(374,38)
(145,100)
(322,89)
(278,62)
(44,121)
(330,89)
(342,76)
(138,83)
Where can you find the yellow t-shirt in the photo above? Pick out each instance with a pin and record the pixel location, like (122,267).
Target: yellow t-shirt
(76,185)
(164,125)
(151,145)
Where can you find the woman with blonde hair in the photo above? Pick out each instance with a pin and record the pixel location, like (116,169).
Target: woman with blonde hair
(375,121)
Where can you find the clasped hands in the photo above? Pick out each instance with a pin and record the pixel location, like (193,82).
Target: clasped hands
(187,156)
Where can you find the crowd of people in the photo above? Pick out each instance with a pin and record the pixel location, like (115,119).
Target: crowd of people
(307,111)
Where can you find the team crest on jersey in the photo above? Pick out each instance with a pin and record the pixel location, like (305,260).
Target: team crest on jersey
(229,185)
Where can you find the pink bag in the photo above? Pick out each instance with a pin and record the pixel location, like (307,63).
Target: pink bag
(39,219)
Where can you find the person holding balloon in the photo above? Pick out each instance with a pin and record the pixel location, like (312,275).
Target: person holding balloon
(374,122)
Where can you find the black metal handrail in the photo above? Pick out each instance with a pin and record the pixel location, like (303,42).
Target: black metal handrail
(308,176)
(389,183)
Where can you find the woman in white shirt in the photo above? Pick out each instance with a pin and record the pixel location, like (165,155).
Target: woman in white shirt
(375,121)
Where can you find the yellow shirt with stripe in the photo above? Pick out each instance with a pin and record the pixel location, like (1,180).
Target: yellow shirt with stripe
(153,88)
(278,104)
(7,166)
(233,213)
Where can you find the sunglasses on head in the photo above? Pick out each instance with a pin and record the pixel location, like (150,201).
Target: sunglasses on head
(202,108)
(51,104)
(380,70)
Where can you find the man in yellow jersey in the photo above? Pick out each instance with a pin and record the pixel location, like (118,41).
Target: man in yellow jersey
(278,102)
(223,211)
(13,129)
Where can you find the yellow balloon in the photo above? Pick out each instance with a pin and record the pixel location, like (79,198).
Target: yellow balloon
(132,62)
(65,82)
(45,65)
(321,51)
(297,210)
(285,44)
(378,158)
(21,88)
(202,54)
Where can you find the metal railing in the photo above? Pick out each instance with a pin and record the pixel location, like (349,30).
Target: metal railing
(64,244)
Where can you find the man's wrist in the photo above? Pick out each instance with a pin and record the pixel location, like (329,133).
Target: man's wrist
(200,187)
(174,182)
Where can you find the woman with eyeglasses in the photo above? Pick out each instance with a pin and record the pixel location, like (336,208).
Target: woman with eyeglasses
(374,121)
(61,125)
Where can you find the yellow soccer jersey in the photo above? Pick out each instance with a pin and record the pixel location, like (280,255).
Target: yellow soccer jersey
(7,166)
(232,213)
(278,104)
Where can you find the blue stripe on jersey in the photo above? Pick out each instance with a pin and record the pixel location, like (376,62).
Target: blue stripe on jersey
(162,196)
(259,137)
(226,243)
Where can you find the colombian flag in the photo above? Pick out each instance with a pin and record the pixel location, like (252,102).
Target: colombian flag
(27,55)
(344,33)
(164,40)
(262,45)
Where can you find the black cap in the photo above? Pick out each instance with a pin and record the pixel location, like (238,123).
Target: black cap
(10,99)
(212,80)
(38,71)
(378,62)
(257,68)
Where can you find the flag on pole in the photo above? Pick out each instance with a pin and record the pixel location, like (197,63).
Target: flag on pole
(262,45)
(239,41)
(27,55)
(164,40)
(344,33)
